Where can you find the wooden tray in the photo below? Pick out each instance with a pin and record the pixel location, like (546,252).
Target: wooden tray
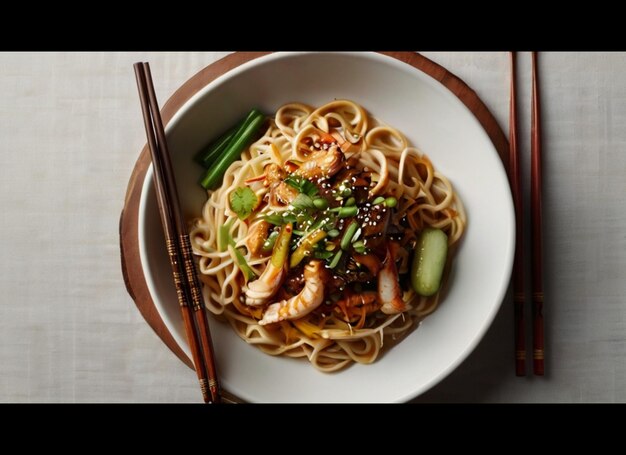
(129,235)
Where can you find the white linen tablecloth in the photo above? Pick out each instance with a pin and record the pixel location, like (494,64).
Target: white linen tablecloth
(71,130)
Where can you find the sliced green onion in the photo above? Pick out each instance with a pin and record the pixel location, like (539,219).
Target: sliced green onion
(346,192)
(345,212)
(281,248)
(356,235)
(348,234)
(320,203)
(359,247)
(269,242)
(391,201)
(299,233)
(333,233)
(223,235)
(275,219)
(302,201)
(322,254)
(378,200)
(243,264)
(305,248)
(350,202)
(289,217)
(335,260)
(243,136)
(318,223)
(208,155)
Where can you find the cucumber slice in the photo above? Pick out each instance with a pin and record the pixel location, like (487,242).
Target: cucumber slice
(429,260)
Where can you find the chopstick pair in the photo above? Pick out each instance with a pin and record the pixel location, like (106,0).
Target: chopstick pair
(177,241)
(536,227)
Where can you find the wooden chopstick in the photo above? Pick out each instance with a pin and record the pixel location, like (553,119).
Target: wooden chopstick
(535,216)
(188,289)
(518,263)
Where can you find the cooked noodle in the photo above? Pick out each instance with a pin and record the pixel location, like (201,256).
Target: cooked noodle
(325,337)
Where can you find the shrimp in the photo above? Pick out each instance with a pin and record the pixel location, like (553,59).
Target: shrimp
(302,304)
(282,193)
(389,291)
(262,289)
(258,235)
(273,174)
(323,163)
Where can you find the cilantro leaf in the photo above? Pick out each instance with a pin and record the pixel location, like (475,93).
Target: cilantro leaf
(243,201)
(302,185)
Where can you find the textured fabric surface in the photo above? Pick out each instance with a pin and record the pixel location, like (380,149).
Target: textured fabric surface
(71,131)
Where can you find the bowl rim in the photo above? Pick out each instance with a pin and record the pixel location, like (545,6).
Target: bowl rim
(458,88)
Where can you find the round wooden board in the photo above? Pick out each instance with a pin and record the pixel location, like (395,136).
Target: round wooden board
(129,240)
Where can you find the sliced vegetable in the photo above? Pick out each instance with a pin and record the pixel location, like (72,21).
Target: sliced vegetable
(335,260)
(391,201)
(243,136)
(305,247)
(225,241)
(359,247)
(320,203)
(345,212)
(302,201)
(322,254)
(333,233)
(242,263)
(378,200)
(350,202)
(223,235)
(243,202)
(346,192)
(208,155)
(310,330)
(348,234)
(429,260)
(275,218)
(268,245)
(281,248)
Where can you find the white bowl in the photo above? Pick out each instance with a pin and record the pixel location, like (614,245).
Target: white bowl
(434,120)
